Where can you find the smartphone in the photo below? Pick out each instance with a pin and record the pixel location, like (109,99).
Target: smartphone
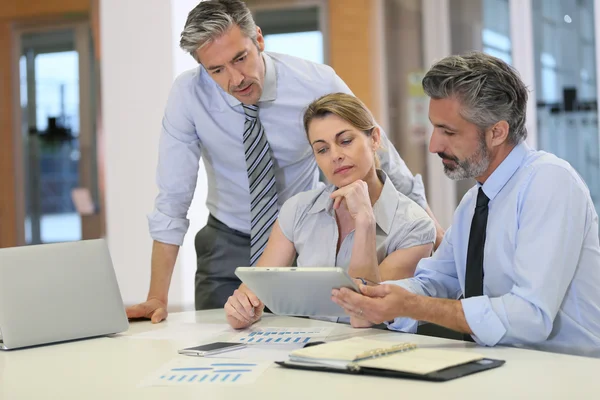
(211,348)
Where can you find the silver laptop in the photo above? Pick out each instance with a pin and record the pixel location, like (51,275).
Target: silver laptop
(57,292)
(299,291)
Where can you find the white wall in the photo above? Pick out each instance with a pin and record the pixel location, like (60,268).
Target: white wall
(198,213)
(139,60)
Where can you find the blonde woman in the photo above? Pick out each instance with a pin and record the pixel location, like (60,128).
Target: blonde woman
(359,221)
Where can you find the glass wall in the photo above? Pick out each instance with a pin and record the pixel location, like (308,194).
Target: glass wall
(566,95)
(496,29)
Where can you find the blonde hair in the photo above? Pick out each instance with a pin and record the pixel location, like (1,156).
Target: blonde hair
(347,107)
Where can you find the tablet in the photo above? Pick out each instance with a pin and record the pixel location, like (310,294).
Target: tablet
(297,291)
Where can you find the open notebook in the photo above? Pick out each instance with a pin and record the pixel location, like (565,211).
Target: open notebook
(375,357)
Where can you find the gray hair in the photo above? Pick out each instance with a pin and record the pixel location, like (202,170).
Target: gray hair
(211,19)
(488,89)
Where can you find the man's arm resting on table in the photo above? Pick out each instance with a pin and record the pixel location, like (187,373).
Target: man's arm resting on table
(163,262)
(179,152)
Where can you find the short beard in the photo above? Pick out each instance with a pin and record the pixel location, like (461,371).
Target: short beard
(472,167)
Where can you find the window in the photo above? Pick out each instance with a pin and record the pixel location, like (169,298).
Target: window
(292,31)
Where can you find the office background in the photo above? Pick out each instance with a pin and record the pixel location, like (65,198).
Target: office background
(86,82)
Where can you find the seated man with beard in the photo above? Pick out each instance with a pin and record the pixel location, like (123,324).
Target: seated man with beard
(523,250)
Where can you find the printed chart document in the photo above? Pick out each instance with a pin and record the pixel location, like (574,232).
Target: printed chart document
(196,371)
(261,352)
(273,336)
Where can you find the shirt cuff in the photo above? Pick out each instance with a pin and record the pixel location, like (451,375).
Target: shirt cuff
(402,324)
(487,327)
(407,325)
(166,229)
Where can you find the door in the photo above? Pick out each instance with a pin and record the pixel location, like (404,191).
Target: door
(59,184)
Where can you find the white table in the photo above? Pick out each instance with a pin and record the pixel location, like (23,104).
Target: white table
(112,368)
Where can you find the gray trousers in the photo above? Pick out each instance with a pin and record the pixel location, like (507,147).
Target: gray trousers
(219,251)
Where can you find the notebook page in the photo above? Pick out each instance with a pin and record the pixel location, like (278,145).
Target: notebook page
(343,350)
(421,361)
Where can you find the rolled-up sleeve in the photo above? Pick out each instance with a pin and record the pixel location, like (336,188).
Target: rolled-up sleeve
(487,327)
(404,324)
(391,162)
(177,171)
(553,221)
(434,277)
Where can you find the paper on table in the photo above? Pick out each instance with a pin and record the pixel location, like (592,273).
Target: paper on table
(371,353)
(343,350)
(188,332)
(192,371)
(261,352)
(421,361)
(273,336)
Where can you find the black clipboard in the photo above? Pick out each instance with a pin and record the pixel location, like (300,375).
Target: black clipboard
(443,375)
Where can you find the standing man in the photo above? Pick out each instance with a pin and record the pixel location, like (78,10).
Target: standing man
(523,249)
(240,112)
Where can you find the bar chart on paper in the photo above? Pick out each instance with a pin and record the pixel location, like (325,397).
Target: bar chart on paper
(206,372)
(282,335)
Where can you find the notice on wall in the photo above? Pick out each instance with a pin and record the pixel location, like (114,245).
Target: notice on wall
(418,108)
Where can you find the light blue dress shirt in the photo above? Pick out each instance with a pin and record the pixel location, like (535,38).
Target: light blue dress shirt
(308,221)
(541,259)
(202,121)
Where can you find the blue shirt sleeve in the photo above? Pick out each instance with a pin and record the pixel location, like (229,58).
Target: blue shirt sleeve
(552,223)
(177,172)
(434,277)
(391,162)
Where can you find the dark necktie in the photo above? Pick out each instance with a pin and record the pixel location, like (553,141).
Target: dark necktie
(474,271)
(261,178)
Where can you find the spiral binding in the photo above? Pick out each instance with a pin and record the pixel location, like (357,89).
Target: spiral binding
(397,348)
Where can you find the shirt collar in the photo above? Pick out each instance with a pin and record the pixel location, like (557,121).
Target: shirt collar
(386,205)
(384,208)
(505,170)
(270,83)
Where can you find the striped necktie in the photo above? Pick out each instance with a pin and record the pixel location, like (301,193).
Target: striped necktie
(261,179)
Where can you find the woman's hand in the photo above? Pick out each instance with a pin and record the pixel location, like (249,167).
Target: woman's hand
(355,197)
(243,308)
